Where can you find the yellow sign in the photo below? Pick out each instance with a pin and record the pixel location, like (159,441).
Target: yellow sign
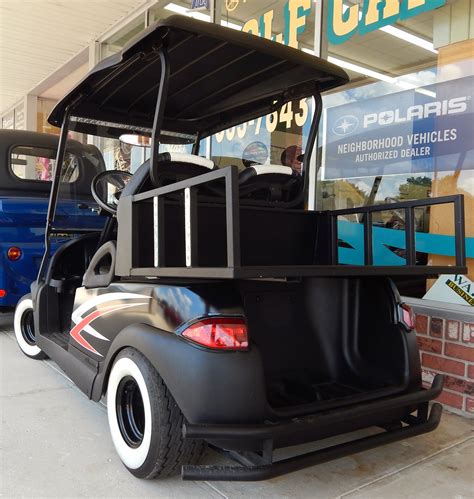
(295,15)
(231,5)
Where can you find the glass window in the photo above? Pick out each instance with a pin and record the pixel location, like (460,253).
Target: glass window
(119,39)
(121,156)
(33,163)
(279,138)
(401,129)
(163,9)
(289,22)
(44,108)
(276,139)
(8,121)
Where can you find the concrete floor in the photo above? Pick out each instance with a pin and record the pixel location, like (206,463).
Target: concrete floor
(54,442)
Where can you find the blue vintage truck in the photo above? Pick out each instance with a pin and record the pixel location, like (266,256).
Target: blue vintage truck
(26,166)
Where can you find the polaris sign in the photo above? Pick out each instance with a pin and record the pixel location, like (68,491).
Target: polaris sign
(423,130)
(418,112)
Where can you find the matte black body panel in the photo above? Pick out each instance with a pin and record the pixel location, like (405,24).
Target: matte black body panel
(208,386)
(304,332)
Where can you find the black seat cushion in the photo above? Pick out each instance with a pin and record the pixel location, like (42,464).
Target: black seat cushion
(172,167)
(269,183)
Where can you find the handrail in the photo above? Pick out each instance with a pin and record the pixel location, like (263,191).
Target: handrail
(158,265)
(409,208)
(230,176)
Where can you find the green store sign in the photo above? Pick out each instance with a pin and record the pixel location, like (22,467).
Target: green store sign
(344,20)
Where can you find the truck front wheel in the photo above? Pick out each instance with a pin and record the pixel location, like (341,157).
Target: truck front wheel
(145,421)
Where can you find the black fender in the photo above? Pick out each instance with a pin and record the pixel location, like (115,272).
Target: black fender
(210,387)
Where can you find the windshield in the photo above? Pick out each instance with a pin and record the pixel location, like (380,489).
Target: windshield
(278,138)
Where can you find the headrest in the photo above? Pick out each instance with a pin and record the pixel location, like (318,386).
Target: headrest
(181,157)
(256,170)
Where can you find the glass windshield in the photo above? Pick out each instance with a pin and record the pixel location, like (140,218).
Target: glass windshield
(278,138)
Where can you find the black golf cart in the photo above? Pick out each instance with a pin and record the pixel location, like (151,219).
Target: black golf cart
(212,308)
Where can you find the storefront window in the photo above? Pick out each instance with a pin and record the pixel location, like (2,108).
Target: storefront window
(276,139)
(279,138)
(8,121)
(402,129)
(119,155)
(165,8)
(44,108)
(290,22)
(119,39)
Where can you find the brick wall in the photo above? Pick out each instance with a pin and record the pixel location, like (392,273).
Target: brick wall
(447,346)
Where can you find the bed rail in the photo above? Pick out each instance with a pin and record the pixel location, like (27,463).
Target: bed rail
(150,244)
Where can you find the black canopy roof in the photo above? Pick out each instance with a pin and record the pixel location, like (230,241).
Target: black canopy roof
(218,77)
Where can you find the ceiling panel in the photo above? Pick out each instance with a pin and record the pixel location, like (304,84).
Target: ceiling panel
(39,36)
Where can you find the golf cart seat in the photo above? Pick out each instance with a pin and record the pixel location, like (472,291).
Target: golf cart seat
(269,183)
(172,167)
(101,270)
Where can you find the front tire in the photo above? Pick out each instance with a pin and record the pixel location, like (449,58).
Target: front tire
(25,329)
(144,420)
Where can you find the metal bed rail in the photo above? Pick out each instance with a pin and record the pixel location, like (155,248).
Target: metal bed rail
(190,187)
(326,245)
(409,209)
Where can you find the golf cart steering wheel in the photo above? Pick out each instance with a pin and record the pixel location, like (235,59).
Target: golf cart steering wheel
(101,183)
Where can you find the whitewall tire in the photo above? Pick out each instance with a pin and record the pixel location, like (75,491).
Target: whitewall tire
(144,420)
(25,330)
(132,437)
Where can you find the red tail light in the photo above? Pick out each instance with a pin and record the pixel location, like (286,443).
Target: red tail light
(14,253)
(407,316)
(222,333)
(3,293)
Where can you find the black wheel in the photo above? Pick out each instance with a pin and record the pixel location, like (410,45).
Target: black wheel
(24,327)
(145,421)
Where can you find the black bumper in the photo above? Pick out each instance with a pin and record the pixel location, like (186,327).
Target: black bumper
(394,410)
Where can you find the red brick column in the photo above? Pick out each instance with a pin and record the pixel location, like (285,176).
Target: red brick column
(447,347)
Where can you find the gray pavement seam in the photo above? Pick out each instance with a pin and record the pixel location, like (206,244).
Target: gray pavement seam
(34,392)
(215,489)
(403,468)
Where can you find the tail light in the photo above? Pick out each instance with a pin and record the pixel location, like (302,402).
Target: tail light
(14,253)
(221,333)
(407,316)
(3,293)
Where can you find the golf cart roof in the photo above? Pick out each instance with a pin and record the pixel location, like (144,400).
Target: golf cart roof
(219,77)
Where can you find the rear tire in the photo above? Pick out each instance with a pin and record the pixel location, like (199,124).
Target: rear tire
(144,420)
(25,329)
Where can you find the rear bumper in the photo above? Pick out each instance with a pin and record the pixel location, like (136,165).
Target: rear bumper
(391,410)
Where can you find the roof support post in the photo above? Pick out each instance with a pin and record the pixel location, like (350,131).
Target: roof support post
(159,110)
(53,196)
(310,145)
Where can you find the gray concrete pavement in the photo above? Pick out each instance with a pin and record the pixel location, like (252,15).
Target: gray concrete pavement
(54,442)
